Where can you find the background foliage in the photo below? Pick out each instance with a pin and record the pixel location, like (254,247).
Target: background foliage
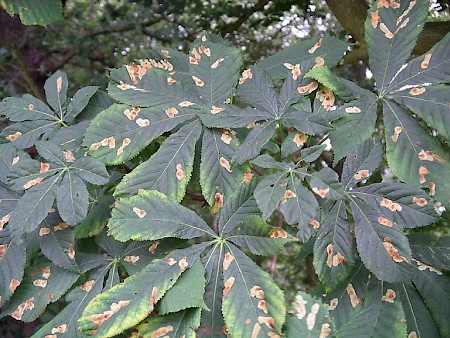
(355,230)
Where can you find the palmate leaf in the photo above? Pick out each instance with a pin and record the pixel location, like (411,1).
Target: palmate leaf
(329,48)
(259,237)
(151,215)
(136,126)
(60,178)
(433,287)
(42,13)
(12,265)
(430,250)
(214,177)
(36,118)
(169,169)
(252,303)
(175,325)
(418,317)
(384,249)
(310,318)
(413,155)
(333,248)
(391,34)
(42,284)
(126,304)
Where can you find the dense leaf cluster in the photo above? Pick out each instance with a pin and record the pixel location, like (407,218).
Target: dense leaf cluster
(92,203)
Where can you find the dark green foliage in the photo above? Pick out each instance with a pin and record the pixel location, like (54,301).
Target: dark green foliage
(179,129)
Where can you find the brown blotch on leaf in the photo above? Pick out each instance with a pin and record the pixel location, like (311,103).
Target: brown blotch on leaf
(68,155)
(387,203)
(299,306)
(5,219)
(388,4)
(218,202)
(60,226)
(161,332)
(217,63)
(228,258)
(256,330)
(315,47)
(60,329)
(428,155)
(421,202)
(287,195)
(170,261)
(59,83)
(263,306)
(296,72)
(354,300)
(417,91)
(185,104)
(88,285)
(226,138)
(227,286)
(44,231)
(361,174)
(315,223)
(46,272)
(132,113)
(15,160)
(330,255)
(14,136)
(100,318)
(30,106)
(179,172)
(34,182)
(412,334)
(126,141)
(327,98)
(333,303)
(277,232)
(257,292)
(311,317)
(71,252)
(397,131)
(3,249)
(131,259)
(247,321)
(375,19)
(143,122)
(389,296)
(198,82)
(247,177)
(268,321)
(153,296)
(139,212)
(423,172)
(432,188)
(321,192)
(27,305)
(387,33)
(171,81)
(215,110)
(325,330)
(40,282)
(385,222)
(300,139)
(225,164)
(246,74)
(153,247)
(319,61)
(171,111)
(338,258)
(44,167)
(353,110)
(393,251)
(426,61)
(183,264)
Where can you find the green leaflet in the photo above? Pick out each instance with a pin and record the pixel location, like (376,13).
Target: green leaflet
(384,250)
(152,215)
(430,250)
(391,34)
(186,293)
(130,302)
(252,302)
(58,246)
(215,178)
(333,249)
(175,325)
(41,13)
(42,284)
(259,237)
(120,132)
(169,169)
(310,318)
(415,156)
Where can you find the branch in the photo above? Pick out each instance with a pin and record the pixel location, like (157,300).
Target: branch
(351,14)
(243,18)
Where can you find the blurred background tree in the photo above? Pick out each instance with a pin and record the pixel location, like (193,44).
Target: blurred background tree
(96,35)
